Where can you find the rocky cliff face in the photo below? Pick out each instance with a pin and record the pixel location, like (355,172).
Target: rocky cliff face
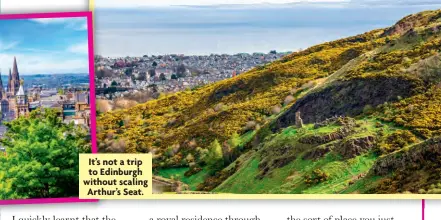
(355,146)
(347,149)
(347,98)
(410,22)
(415,158)
(326,138)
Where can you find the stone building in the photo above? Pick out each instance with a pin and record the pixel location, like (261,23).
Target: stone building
(82,109)
(21,103)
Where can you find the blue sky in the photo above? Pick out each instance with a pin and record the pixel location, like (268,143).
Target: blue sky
(48,45)
(161,3)
(156,27)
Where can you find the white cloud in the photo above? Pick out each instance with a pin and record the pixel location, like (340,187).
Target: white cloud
(33,50)
(34,64)
(141,3)
(81,48)
(51,20)
(7,45)
(397,2)
(79,23)
(159,3)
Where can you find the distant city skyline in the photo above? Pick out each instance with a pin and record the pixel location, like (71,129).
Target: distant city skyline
(44,46)
(208,30)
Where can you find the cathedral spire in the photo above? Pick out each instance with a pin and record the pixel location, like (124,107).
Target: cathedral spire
(15,76)
(15,70)
(14,79)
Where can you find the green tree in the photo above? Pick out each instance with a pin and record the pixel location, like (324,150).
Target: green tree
(142,76)
(152,72)
(162,77)
(232,148)
(234,141)
(128,71)
(114,84)
(174,76)
(41,158)
(214,158)
(180,70)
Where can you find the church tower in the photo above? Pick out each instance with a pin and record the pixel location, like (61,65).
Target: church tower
(22,104)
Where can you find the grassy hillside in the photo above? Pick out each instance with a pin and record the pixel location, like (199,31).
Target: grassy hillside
(243,135)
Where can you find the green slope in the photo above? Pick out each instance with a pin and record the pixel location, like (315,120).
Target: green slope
(386,83)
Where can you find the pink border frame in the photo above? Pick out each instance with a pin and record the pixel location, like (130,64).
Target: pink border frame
(88,16)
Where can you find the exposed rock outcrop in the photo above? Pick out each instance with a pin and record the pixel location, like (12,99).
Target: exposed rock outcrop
(414,158)
(326,138)
(317,152)
(336,120)
(355,146)
(347,98)
(276,157)
(347,148)
(410,22)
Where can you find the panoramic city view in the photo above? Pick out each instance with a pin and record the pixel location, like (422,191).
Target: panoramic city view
(142,78)
(45,106)
(338,97)
(68,94)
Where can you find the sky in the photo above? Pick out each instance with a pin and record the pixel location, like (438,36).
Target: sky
(160,3)
(129,3)
(44,46)
(201,30)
